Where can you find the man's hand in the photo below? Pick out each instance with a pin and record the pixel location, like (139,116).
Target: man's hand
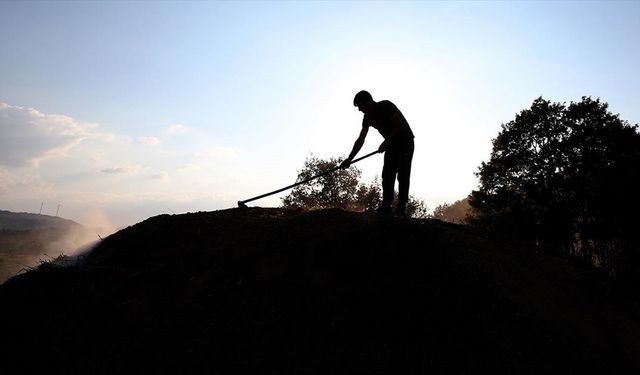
(346,163)
(383,147)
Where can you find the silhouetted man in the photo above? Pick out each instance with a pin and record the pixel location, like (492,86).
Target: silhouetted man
(397,146)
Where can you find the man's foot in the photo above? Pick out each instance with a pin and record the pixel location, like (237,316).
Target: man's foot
(400,211)
(384,209)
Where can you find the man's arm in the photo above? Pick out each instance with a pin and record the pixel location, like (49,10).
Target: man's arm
(356,147)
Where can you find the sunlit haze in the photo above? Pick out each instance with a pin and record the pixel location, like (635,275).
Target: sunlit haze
(119,111)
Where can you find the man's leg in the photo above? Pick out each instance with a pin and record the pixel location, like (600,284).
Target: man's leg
(389,172)
(404,175)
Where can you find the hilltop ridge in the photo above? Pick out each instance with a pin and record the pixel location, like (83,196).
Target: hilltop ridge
(328,291)
(30,221)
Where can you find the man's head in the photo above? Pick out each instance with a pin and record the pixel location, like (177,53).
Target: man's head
(363,101)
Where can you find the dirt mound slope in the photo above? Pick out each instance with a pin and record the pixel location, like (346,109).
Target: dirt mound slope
(276,292)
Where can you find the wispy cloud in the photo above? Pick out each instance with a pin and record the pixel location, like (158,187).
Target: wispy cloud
(126,169)
(176,129)
(56,158)
(159,176)
(149,141)
(30,137)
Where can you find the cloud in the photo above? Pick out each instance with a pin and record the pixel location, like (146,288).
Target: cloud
(156,177)
(28,136)
(14,186)
(126,169)
(176,129)
(6,180)
(113,170)
(159,176)
(149,141)
(189,167)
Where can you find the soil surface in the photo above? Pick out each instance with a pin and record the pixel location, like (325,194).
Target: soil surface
(273,291)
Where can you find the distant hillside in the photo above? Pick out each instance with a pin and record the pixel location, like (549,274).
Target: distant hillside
(274,291)
(456,212)
(27,239)
(27,221)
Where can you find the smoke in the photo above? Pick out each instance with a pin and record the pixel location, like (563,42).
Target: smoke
(23,250)
(78,239)
(97,221)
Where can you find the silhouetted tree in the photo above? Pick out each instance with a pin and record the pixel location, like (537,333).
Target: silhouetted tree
(341,189)
(369,196)
(519,185)
(564,175)
(337,189)
(417,208)
(456,212)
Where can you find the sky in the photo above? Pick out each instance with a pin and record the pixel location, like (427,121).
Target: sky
(118,111)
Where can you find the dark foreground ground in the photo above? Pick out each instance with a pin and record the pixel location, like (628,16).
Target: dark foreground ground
(268,291)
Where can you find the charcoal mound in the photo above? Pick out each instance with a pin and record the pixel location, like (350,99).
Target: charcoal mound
(276,291)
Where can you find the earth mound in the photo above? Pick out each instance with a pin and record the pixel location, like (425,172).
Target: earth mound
(275,291)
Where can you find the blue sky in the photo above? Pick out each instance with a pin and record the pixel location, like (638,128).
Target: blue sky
(124,110)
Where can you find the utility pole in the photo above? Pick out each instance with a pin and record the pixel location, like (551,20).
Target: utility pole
(58,210)
(41,204)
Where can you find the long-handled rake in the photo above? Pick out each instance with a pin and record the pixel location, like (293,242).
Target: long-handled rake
(243,204)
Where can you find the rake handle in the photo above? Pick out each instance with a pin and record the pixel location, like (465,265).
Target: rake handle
(244,202)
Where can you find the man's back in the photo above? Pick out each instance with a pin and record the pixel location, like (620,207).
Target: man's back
(381,118)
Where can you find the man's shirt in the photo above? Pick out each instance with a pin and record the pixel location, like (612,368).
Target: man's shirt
(380,118)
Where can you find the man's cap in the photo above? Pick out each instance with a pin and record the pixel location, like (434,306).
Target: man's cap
(362,97)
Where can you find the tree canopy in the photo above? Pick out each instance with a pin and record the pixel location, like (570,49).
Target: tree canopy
(564,175)
(340,189)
